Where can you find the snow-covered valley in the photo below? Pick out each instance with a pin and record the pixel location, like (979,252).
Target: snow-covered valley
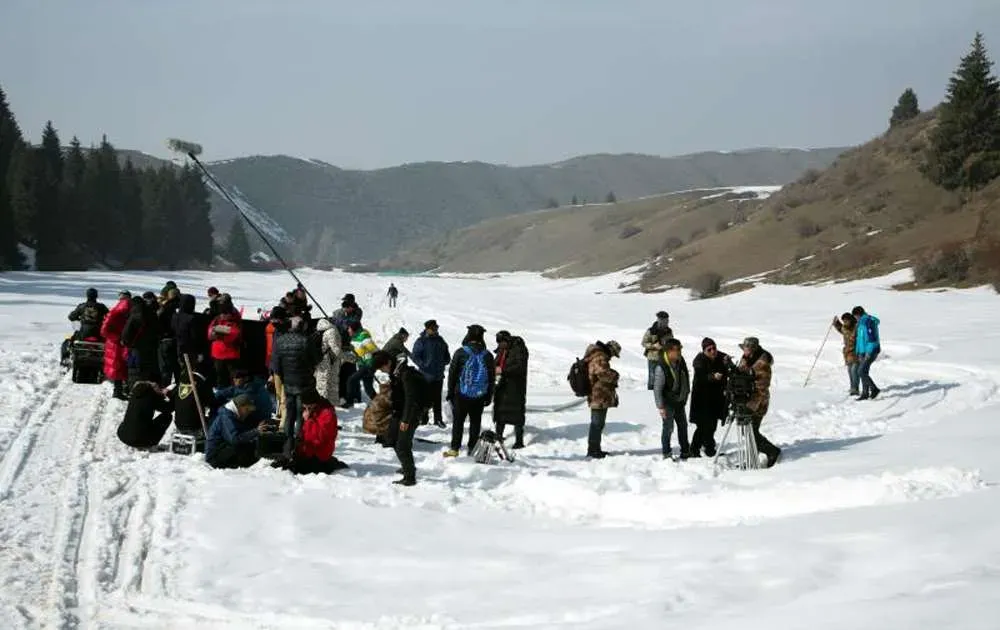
(880,514)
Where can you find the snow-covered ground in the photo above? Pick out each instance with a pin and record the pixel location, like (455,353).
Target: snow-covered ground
(881,514)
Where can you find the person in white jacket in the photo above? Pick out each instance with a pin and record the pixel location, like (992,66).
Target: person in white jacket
(328,369)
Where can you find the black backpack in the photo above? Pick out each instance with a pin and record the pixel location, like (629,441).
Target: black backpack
(579,378)
(91,315)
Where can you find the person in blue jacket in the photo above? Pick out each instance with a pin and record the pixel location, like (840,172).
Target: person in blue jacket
(254,387)
(867,346)
(431,356)
(232,438)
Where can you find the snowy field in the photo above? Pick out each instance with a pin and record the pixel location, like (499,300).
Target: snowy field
(881,514)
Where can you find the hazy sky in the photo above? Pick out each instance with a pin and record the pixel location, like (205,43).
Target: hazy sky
(369,84)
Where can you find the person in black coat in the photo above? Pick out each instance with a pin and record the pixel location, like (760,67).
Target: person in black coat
(708,396)
(186,417)
(409,400)
(294,360)
(147,416)
(167,352)
(511,393)
(141,336)
(464,406)
(91,316)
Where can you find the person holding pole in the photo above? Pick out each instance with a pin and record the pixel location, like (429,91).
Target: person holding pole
(847,326)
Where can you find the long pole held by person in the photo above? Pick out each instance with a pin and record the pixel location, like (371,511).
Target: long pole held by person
(818,352)
(194,390)
(192,150)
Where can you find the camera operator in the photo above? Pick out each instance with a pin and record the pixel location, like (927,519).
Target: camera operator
(758,361)
(708,396)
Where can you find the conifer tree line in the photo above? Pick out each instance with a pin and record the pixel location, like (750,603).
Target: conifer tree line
(78,207)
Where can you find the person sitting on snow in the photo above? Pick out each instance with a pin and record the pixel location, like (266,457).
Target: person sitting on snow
(232,437)
(317,440)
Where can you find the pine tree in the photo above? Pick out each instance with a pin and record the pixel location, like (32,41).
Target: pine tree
(198,221)
(154,221)
(130,198)
(11,141)
(101,195)
(25,181)
(906,108)
(237,245)
(965,145)
(73,206)
(47,224)
(171,199)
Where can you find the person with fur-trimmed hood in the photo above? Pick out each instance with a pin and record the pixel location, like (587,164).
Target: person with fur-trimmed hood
(758,361)
(671,387)
(652,343)
(471,382)
(603,393)
(708,396)
(331,358)
(847,326)
(510,398)
(115,354)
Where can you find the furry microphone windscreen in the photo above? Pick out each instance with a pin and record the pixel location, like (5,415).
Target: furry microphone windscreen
(183,146)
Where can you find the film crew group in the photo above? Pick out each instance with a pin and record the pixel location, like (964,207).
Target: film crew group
(710,390)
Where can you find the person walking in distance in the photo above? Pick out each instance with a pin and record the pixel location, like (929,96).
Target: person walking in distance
(868,345)
(758,361)
(671,387)
(652,343)
(431,356)
(471,379)
(393,294)
(708,396)
(510,399)
(847,326)
(603,391)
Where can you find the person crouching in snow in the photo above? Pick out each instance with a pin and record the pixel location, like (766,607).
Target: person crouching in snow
(408,391)
(225,333)
(254,387)
(847,326)
(317,440)
(115,354)
(603,391)
(147,416)
(671,387)
(232,437)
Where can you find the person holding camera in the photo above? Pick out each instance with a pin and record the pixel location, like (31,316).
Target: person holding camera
(671,387)
(757,361)
(708,396)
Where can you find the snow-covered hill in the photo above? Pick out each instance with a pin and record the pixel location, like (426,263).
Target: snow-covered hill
(881,514)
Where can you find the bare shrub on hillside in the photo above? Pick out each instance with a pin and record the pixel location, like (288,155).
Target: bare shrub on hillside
(849,222)
(986,263)
(695,235)
(670,244)
(807,228)
(722,225)
(950,262)
(707,285)
(874,205)
(951,207)
(629,231)
(851,177)
(811,176)
(794,201)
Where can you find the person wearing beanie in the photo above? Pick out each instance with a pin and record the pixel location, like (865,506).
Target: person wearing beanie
(431,356)
(510,398)
(708,396)
(652,343)
(758,362)
(471,381)
(232,437)
(90,314)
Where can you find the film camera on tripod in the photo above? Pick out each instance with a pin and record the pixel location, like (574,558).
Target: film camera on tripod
(740,389)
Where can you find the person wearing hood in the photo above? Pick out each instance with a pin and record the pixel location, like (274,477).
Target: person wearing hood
(653,342)
(348,313)
(397,343)
(408,392)
(708,396)
(431,356)
(603,393)
(214,303)
(232,437)
(115,354)
(226,336)
(254,387)
(471,379)
(141,336)
(294,361)
(671,387)
(187,416)
(90,314)
(757,361)
(510,399)
(868,345)
(147,416)
(364,348)
(314,451)
(169,303)
(331,358)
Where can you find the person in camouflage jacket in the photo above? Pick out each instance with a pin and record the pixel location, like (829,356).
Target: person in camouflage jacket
(758,361)
(653,342)
(603,391)
(847,326)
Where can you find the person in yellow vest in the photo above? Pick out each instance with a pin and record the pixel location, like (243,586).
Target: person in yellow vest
(671,387)
(364,349)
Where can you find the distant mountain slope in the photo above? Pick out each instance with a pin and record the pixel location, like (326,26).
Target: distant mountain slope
(345,216)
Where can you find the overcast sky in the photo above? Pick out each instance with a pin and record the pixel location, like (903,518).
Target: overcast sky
(367,84)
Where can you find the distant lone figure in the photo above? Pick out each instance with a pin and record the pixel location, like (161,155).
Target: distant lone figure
(393,293)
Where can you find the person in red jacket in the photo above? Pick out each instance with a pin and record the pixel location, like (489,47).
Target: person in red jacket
(225,333)
(318,440)
(115,354)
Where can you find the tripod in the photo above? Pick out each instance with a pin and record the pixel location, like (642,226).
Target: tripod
(746,444)
(488,446)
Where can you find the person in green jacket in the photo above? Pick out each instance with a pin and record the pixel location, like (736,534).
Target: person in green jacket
(365,349)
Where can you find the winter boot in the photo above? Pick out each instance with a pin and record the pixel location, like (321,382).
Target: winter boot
(450,453)
(875,392)
(119,391)
(597,455)
(405,481)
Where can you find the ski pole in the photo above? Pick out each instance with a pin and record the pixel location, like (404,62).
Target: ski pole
(818,352)
(194,389)
(192,150)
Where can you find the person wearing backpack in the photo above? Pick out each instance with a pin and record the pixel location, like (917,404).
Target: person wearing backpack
(868,345)
(471,379)
(602,394)
(91,316)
